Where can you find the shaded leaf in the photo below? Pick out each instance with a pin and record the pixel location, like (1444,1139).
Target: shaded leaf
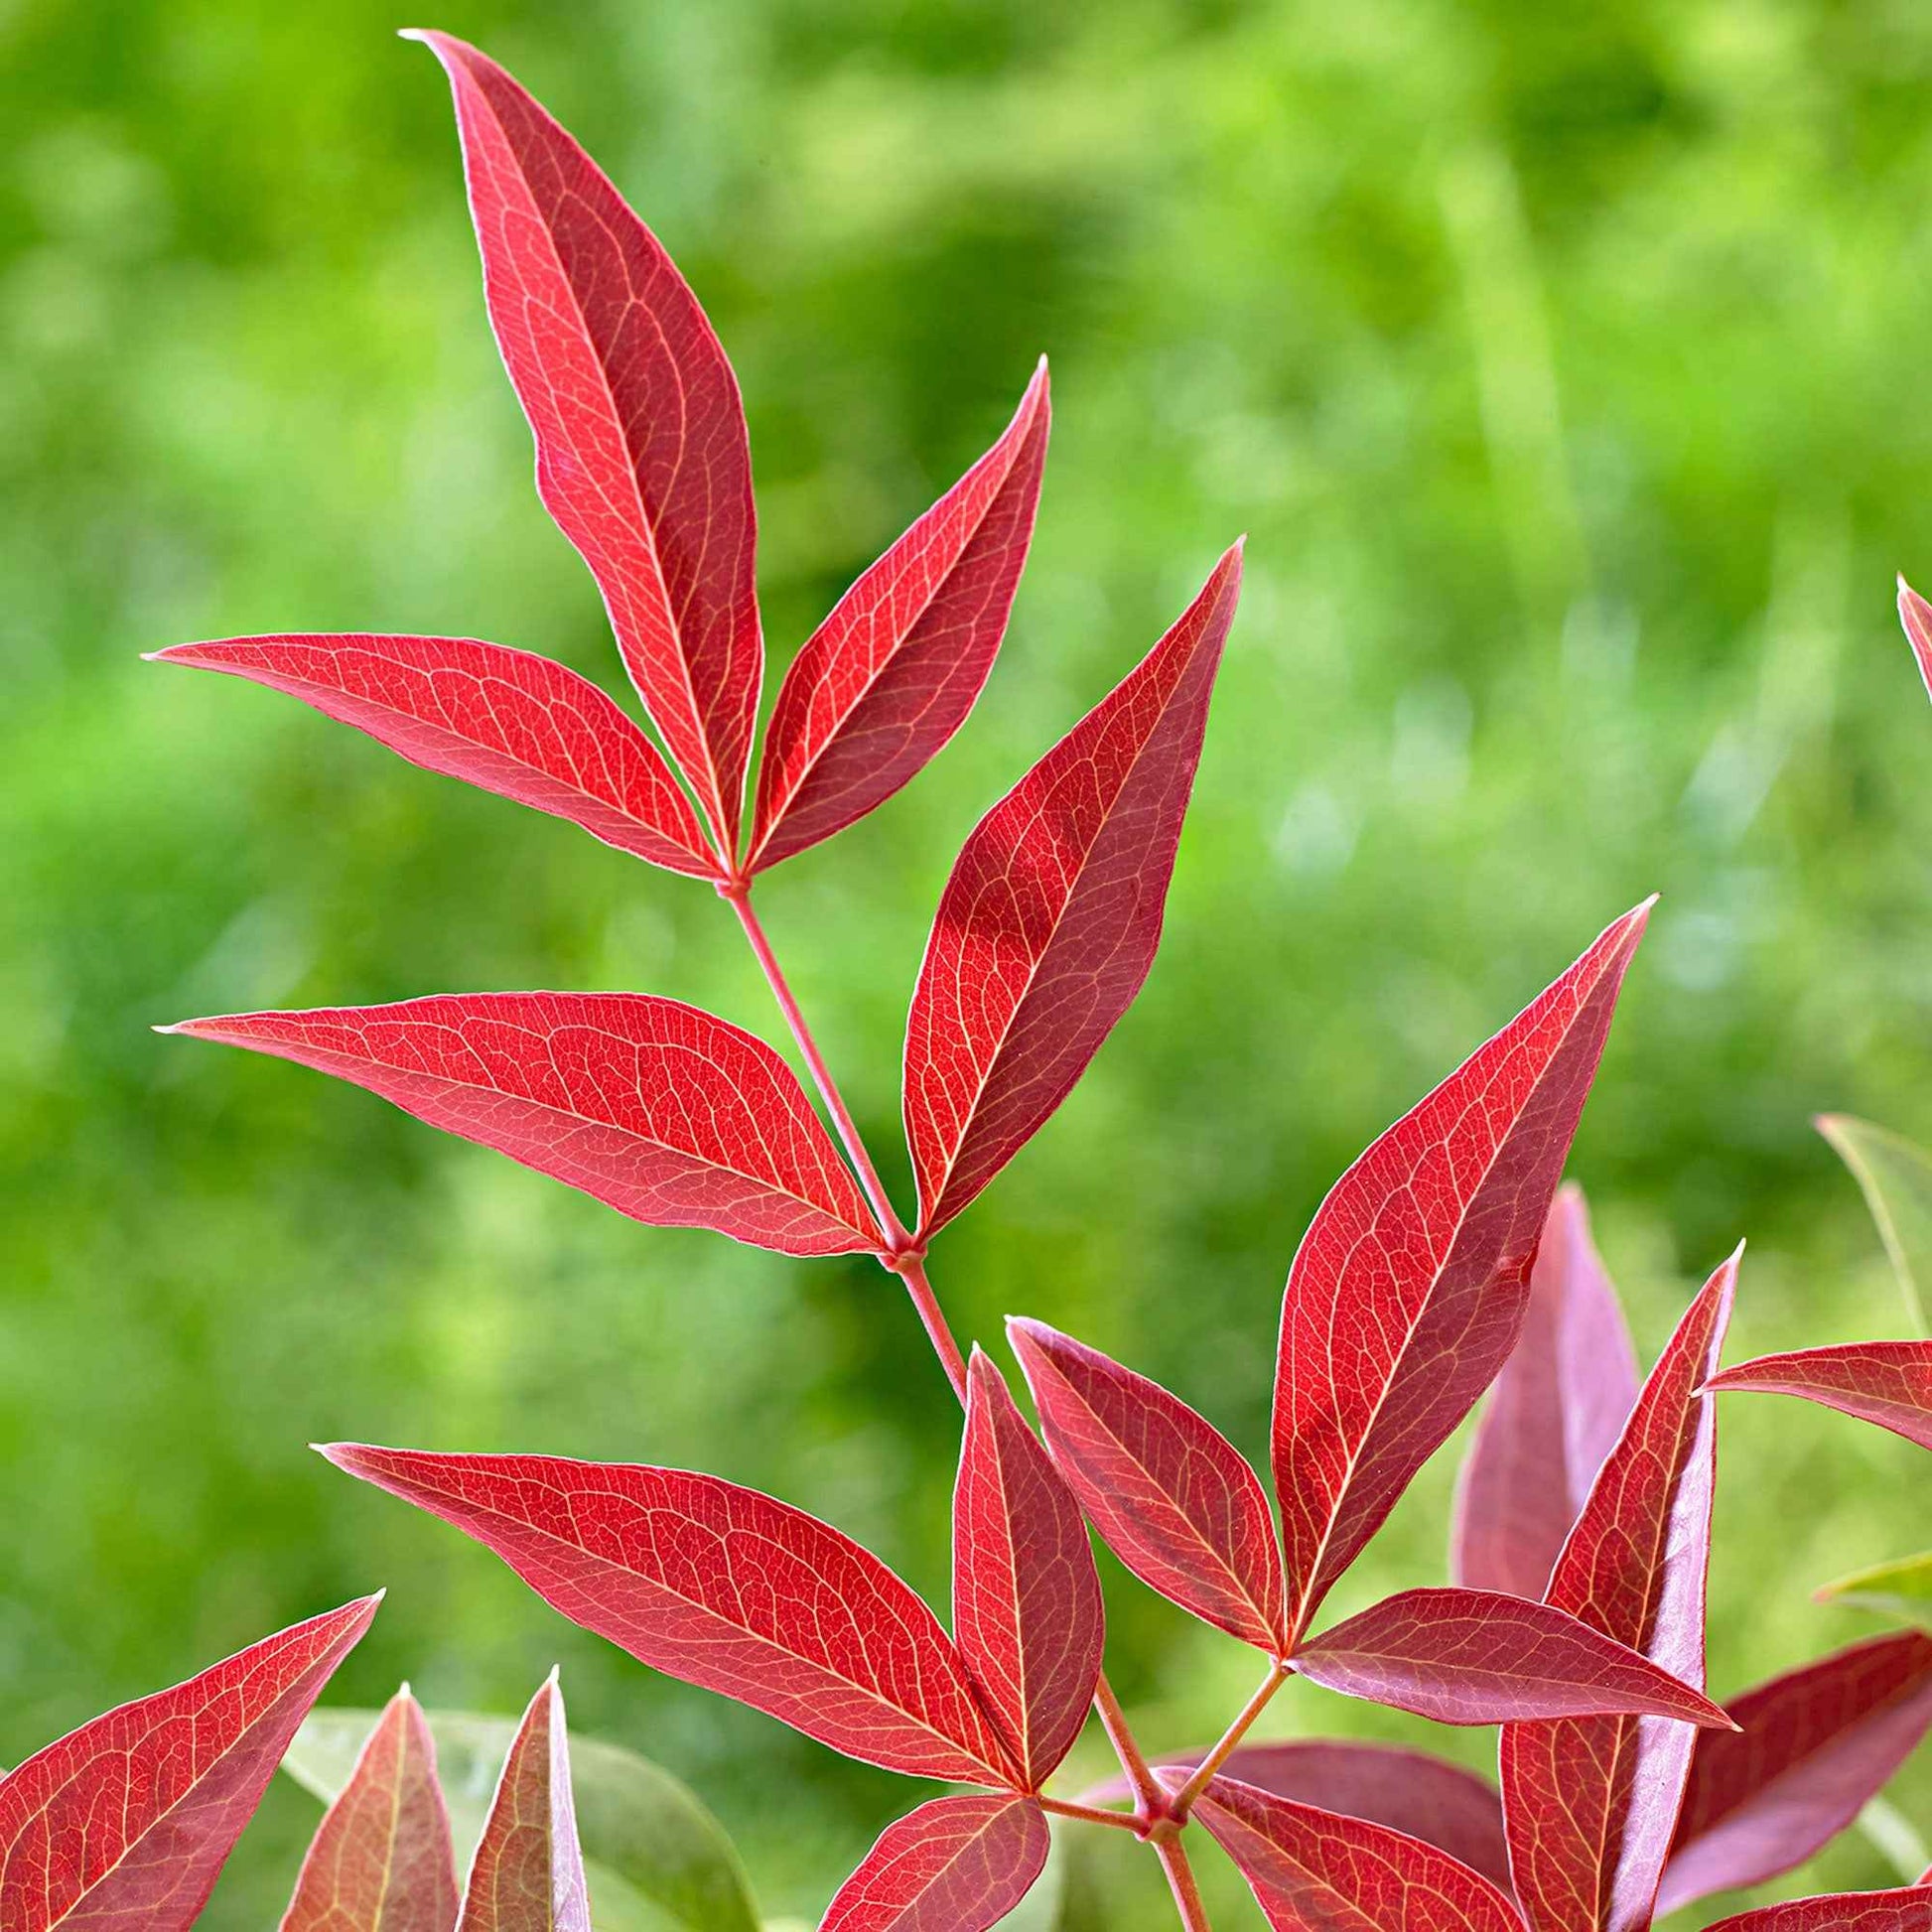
(1884,1382)
(1907,1910)
(1895,1177)
(1902,1588)
(956,1864)
(528,1872)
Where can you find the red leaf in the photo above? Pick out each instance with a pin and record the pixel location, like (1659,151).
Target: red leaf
(381,1861)
(1810,1748)
(528,1872)
(1481,1657)
(662,1112)
(1170,1496)
(956,1864)
(1908,1910)
(127,1822)
(1311,1868)
(1049,925)
(889,677)
(1886,1382)
(1408,1291)
(506,720)
(641,452)
(1555,1414)
(1026,1612)
(1916,616)
(721,1586)
(1591,1803)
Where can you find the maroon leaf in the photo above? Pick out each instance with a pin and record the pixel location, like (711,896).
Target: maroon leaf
(1553,1417)
(889,677)
(721,1586)
(1408,1291)
(1026,1612)
(1886,1382)
(641,452)
(528,1872)
(1810,1748)
(1049,922)
(1317,1871)
(381,1861)
(1170,1496)
(662,1112)
(1916,616)
(956,1864)
(1908,1910)
(127,1822)
(1481,1657)
(1591,1803)
(505,720)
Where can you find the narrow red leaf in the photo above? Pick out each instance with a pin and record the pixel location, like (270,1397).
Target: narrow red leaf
(956,1864)
(127,1822)
(1408,1291)
(1810,1748)
(1907,1910)
(1591,1803)
(1916,616)
(1170,1496)
(528,1872)
(1555,1414)
(663,1112)
(641,451)
(1481,1657)
(1026,1612)
(1884,1382)
(1049,925)
(381,1861)
(506,720)
(889,677)
(1313,1869)
(721,1586)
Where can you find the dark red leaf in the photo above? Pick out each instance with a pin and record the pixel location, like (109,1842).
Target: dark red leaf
(1554,1415)
(127,1822)
(528,1872)
(1481,1657)
(505,720)
(1049,925)
(721,1586)
(1916,616)
(1170,1496)
(1026,1596)
(641,452)
(1810,1748)
(889,677)
(1908,1910)
(1317,1871)
(381,1861)
(1408,1291)
(662,1112)
(1591,1803)
(1886,1382)
(957,1865)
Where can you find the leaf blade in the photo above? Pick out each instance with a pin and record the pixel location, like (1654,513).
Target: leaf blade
(1901,1588)
(1907,1910)
(528,1872)
(1888,1383)
(1895,1177)
(956,1864)
(1916,616)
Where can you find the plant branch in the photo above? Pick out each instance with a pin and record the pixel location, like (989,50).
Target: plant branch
(1181,1881)
(1124,1821)
(1278,1672)
(910,1269)
(1150,1800)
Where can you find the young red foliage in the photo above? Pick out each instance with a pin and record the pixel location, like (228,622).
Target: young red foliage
(1907,1910)
(724,1587)
(665,1113)
(1409,1289)
(1591,1803)
(1169,1495)
(128,1820)
(1916,616)
(1884,1382)
(1310,1868)
(956,1864)
(1027,1614)
(1048,925)
(528,1872)
(1812,1747)
(642,450)
(381,1861)
(509,721)
(886,679)
(1555,1414)
(1481,1657)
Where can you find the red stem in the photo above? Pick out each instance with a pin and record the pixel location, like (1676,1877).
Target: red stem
(1181,1881)
(1203,1773)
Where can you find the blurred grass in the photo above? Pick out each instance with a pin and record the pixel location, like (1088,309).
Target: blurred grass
(1568,368)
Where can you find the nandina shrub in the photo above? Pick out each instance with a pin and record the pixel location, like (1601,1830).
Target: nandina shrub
(1445,1260)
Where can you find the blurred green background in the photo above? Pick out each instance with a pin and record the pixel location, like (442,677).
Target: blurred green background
(1568,367)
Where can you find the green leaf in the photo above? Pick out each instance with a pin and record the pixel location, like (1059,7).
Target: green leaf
(1902,1588)
(655,1859)
(1896,1177)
